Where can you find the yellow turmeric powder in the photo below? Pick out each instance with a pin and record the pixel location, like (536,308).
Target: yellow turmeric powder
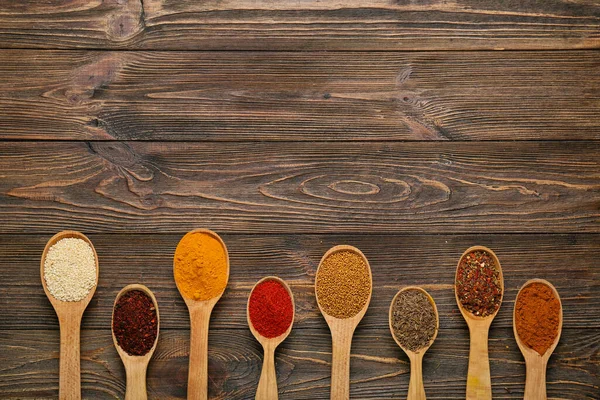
(200,266)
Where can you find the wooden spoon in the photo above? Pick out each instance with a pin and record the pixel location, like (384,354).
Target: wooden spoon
(342,330)
(267,385)
(69,315)
(416,390)
(479,382)
(535,364)
(200,311)
(136,366)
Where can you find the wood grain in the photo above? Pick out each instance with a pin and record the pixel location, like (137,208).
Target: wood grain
(142,116)
(569,262)
(224,96)
(299,187)
(303,365)
(306,25)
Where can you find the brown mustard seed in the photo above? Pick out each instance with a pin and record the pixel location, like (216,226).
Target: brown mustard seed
(413,319)
(343,284)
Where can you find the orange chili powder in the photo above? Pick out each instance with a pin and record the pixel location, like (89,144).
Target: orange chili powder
(537,314)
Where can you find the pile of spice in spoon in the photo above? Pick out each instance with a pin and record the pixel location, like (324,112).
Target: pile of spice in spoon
(478,285)
(414,320)
(537,317)
(200,266)
(270,308)
(70,269)
(343,284)
(135,323)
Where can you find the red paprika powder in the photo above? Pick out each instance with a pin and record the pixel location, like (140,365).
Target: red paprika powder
(135,323)
(537,316)
(270,308)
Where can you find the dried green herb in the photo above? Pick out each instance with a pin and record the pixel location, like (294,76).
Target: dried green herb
(414,320)
(478,285)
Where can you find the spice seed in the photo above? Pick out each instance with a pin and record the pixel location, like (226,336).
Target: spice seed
(414,321)
(70,269)
(343,284)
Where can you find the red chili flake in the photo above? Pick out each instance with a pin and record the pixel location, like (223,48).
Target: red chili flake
(270,308)
(478,284)
(134,323)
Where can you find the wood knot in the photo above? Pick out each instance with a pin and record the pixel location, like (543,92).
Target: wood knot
(358,190)
(77,96)
(123,27)
(354,187)
(126,21)
(90,78)
(115,153)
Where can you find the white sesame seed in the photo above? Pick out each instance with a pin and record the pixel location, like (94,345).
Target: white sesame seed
(70,269)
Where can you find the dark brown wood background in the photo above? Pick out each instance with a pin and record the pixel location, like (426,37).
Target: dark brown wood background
(289,127)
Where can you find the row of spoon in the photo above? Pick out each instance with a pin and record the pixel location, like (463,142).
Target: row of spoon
(342,330)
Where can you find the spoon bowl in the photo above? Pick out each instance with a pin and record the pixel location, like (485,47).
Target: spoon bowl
(342,330)
(69,315)
(535,378)
(467,315)
(416,390)
(62,307)
(422,350)
(200,312)
(136,366)
(192,303)
(278,339)
(267,385)
(479,383)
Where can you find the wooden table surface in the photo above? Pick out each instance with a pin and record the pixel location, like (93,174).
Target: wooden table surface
(289,127)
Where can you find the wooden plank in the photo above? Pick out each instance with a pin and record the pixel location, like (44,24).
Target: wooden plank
(305,25)
(299,96)
(568,261)
(298,187)
(30,366)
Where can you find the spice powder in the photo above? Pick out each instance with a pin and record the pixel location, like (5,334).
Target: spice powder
(200,266)
(537,316)
(478,283)
(343,284)
(414,321)
(270,309)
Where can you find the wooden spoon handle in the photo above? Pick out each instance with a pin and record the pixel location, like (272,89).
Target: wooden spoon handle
(416,390)
(198,374)
(479,383)
(267,385)
(340,364)
(136,382)
(535,379)
(70,376)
